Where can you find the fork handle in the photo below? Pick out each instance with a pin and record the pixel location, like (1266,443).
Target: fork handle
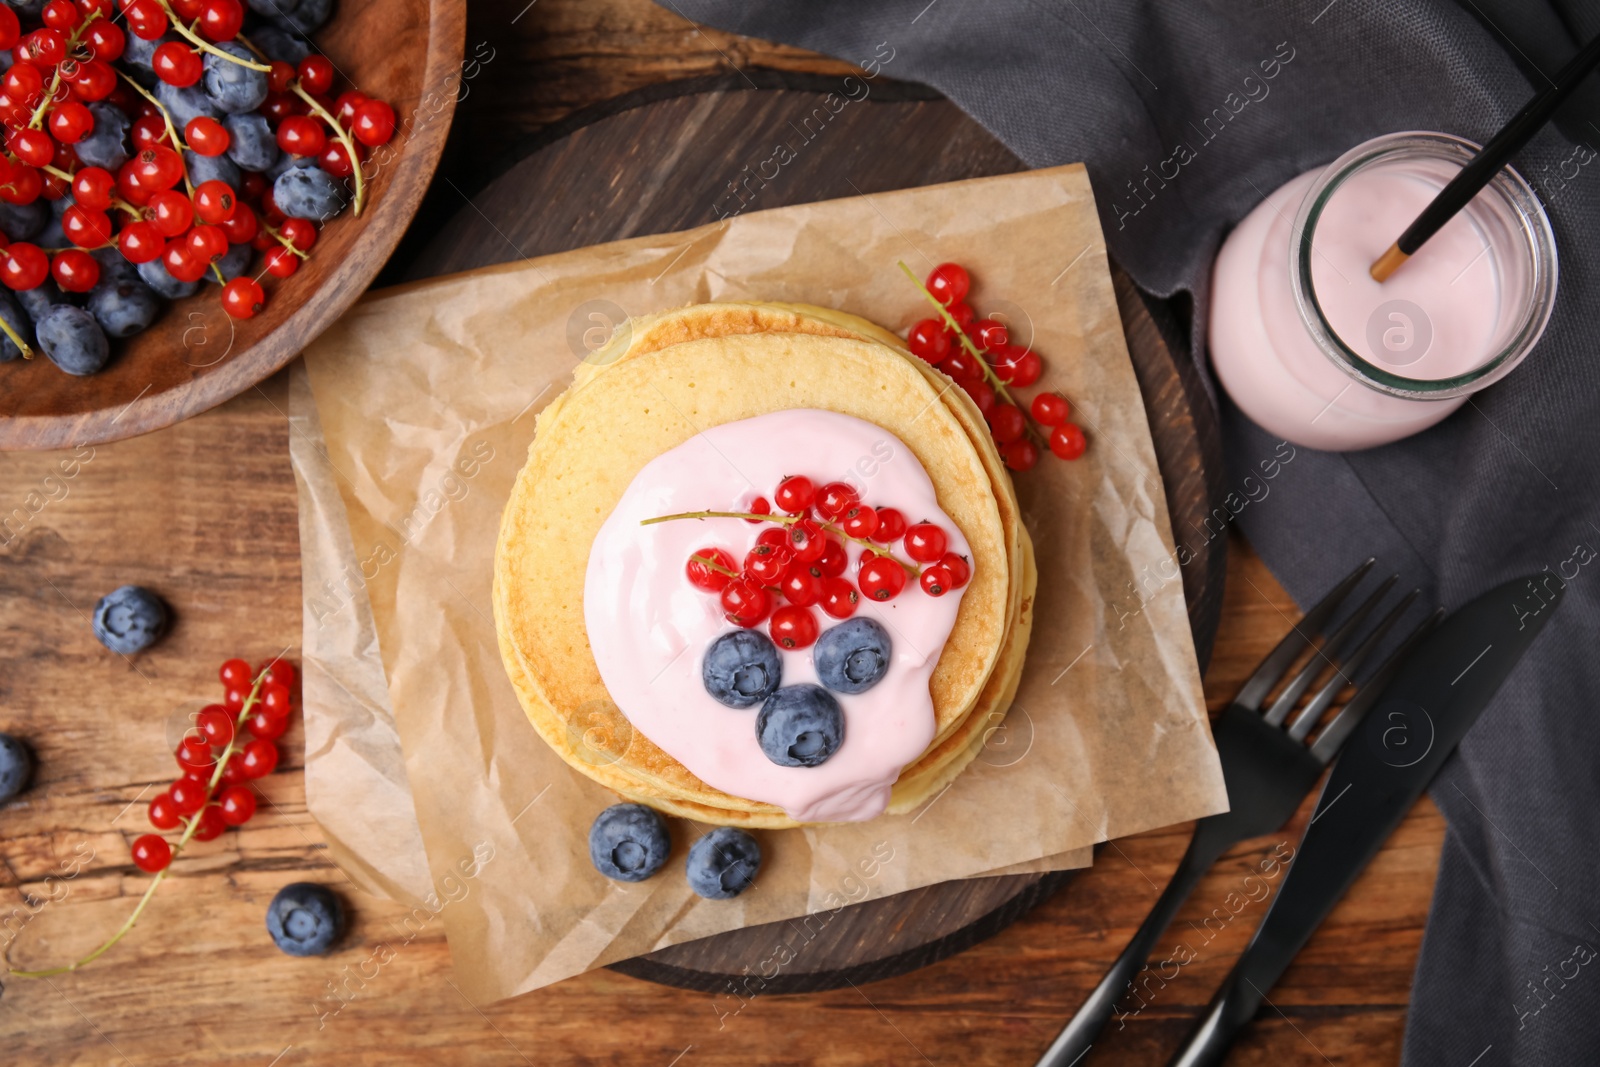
(1079,1035)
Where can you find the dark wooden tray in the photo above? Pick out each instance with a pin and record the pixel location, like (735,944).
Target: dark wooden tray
(653,162)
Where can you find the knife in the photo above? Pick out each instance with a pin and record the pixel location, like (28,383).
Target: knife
(1422,714)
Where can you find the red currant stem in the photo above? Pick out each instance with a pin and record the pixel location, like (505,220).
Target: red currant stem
(972,350)
(22,346)
(344,139)
(712,565)
(55,79)
(911,568)
(51,168)
(204,45)
(786,520)
(284,241)
(166,117)
(190,827)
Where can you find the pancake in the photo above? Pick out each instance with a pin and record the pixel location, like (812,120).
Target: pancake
(588,448)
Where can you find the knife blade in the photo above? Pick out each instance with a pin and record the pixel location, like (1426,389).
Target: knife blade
(1433,699)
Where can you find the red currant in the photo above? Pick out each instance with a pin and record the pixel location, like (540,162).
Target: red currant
(336,161)
(151,853)
(234,696)
(765,564)
(61,15)
(243,297)
(48,47)
(233,770)
(1007,423)
(208,243)
(278,672)
(177,64)
(1049,409)
(937,581)
(859,521)
(949,283)
(236,805)
(316,74)
(795,494)
(70,122)
(929,340)
(745,603)
(962,367)
(281,106)
(960,570)
(962,312)
(279,77)
(759,506)
(839,598)
(242,226)
(280,262)
(273,699)
(22,187)
(85,227)
(836,498)
(982,395)
(106,41)
(700,575)
(215,723)
(171,213)
(1067,441)
(207,136)
(75,270)
(24,83)
(221,20)
(10,27)
(163,815)
(157,167)
(1018,366)
(34,147)
(344,109)
(988,334)
(801,584)
(260,758)
(209,824)
(777,540)
(881,578)
(95,81)
(793,627)
(833,561)
(807,541)
(188,10)
(302,233)
(374,123)
(302,135)
(25,266)
(267,727)
(891,526)
(181,262)
(140,242)
(1020,455)
(925,542)
(188,796)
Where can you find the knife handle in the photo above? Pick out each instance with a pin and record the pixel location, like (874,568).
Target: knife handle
(1229,1012)
(1078,1035)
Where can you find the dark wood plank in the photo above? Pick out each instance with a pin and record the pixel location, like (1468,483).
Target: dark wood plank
(671,156)
(407,52)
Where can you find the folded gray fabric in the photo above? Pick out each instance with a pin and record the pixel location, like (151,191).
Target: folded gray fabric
(1508,485)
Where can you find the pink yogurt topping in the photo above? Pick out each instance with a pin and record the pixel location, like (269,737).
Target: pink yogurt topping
(649,628)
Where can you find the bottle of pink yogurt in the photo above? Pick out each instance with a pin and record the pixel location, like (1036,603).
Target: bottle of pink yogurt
(1316,352)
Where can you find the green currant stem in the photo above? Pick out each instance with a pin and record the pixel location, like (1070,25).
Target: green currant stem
(344,139)
(22,346)
(218,272)
(204,45)
(55,79)
(787,520)
(248,43)
(284,241)
(172,131)
(190,827)
(983,364)
(712,565)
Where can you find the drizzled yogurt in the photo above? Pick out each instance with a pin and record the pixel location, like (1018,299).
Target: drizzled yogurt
(649,627)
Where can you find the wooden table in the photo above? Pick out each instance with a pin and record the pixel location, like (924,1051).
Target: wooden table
(205,512)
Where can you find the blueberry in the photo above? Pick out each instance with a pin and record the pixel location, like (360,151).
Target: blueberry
(305,919)
(27,9)
(155,275)
(308,193)
(628,842)
(741,669)
(52,236)
(212,168)
(18,320)
(234,263)
(234,88)
(723,863)
(251,142)
(279,44)
(272,7)
(137,57)
(39,300)
(107,145)
(124,306)
(20,222)
(800,726)
(130,619)
(16,766)
(73,340)
(114,266)
(287,162)
(853,656)
(306,18)
(186,104)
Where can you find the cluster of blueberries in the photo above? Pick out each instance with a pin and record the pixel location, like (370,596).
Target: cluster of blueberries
(798,725)
(629,843)
(75,330)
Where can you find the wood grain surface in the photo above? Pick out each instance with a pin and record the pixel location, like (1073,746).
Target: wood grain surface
(407,52)
(205,512)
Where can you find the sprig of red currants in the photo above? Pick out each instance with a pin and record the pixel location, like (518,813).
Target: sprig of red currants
(801,561)
(212,794)
(979,356)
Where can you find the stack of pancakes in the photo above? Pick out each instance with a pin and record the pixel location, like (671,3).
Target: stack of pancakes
(661,380)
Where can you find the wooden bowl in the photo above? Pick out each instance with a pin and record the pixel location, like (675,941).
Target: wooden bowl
(406,52)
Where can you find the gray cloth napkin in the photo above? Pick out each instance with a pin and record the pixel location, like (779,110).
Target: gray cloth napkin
(1509,485)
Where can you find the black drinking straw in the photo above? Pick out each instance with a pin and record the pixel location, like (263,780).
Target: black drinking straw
(1481,168)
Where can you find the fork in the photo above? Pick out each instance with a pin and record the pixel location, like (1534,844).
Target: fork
(1267,766)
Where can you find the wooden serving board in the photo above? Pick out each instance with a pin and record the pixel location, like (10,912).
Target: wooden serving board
(642,164)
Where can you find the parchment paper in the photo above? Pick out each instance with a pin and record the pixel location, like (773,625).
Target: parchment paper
(426,396)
